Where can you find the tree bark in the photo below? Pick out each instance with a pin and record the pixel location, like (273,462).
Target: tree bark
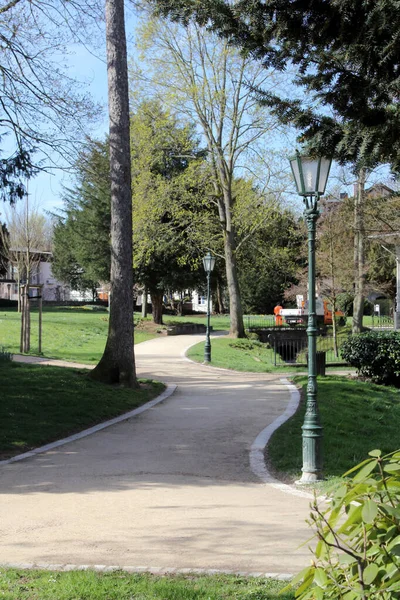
(220,303)
(235,304)
(117,364)
(156,306)
(144,303)
(359,254)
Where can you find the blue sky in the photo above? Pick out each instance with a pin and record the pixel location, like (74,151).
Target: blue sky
(46,188)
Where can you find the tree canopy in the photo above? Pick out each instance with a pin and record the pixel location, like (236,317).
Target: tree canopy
(170,198)
(347,55)
(81,245)
(42,107)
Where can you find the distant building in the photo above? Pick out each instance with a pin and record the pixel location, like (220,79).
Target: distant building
(53,290)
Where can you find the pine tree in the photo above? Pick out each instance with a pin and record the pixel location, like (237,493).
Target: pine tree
(347,54)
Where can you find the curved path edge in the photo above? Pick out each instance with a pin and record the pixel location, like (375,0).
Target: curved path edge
(257,450)
(152,570)
(170,389)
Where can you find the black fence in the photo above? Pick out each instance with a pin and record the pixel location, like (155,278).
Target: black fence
(293,351)
(266,322)
(382,322)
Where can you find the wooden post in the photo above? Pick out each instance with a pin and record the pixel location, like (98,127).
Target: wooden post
(27,320)
(40,321)
(22,309)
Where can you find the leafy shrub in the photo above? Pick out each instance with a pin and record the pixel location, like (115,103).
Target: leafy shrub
(252,335)
(358,549)
(245,344)
(5,303)
(5,355)
(375,355)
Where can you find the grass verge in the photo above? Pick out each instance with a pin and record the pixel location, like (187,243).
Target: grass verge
(239,355)
(78,335)
(245,355)
(40,404)
(357,416)
(73,335)
(89,585)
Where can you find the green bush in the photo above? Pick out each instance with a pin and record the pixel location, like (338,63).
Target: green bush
(357,556)
(5,356)
(5,303)
(245,344)
(375,355)
(252,335)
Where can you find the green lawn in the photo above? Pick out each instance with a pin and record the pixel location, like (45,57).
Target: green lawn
(40,404)
(217,322)
(241,355)
(357,416)
(74,335)
(88,585)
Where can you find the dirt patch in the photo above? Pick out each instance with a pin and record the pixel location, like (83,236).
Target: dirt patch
(151,327)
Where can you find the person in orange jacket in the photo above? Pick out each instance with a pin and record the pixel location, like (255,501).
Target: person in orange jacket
(278,316)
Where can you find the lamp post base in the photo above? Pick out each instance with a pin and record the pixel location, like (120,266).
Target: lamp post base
(309,478)
(207,350)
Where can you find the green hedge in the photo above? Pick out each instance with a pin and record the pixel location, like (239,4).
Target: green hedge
(375,355)
(4,303)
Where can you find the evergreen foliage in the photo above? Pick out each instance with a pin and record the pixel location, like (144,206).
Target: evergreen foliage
(268,258)
(347,55)
(358,536)
(81,253)
(171,211)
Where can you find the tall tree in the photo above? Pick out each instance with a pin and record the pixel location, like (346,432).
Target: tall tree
(117,364)
(335,243)
(268,242)
(81,248)
(171,203)
(204,78)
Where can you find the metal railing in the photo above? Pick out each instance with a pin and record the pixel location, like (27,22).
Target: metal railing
(293,351)
(382,322)
(267,321)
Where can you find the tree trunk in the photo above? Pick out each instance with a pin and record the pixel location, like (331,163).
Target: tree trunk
(144,303)
(179,308)
(156,306)
(220,302)
(117,364)
(19,292)
(235,304)
(359,255)
(22,309)
(334,328)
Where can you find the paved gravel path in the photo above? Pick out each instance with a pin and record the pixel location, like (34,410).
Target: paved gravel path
(171,487)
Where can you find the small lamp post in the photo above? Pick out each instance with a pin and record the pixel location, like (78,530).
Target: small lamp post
(310,175)
(208,263)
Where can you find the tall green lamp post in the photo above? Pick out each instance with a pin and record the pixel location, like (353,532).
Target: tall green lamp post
(208,263)
(310,175)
